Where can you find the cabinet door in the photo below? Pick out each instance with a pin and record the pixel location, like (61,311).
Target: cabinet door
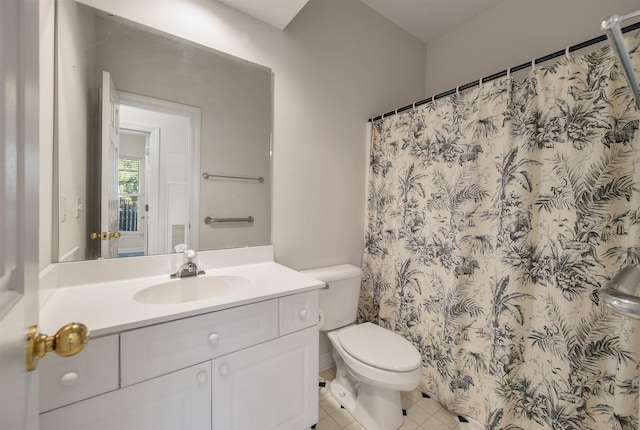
(177,401)
(269,386)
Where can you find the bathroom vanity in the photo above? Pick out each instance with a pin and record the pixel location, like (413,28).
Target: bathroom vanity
(246,358)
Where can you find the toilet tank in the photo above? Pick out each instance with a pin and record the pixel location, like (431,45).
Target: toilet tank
(339,302)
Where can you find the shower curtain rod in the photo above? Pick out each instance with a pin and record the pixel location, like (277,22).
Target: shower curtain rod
(522,66)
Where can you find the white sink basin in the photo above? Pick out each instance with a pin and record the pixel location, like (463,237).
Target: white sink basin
(190,289)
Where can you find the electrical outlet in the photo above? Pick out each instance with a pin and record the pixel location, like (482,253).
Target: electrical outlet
(79,206)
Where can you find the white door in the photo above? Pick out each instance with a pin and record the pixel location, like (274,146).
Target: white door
(18,210)
(109,202)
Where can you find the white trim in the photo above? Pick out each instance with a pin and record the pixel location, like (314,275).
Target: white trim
(194,115)
(152,137)
(48,283)
(71,255)
(168,246)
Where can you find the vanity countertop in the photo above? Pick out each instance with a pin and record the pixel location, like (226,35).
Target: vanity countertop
(109,307)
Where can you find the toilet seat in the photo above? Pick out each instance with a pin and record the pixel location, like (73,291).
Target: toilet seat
(379,348)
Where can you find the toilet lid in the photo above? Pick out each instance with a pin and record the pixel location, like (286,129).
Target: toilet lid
(379,347)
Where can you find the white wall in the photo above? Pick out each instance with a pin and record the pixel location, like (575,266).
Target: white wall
(512,33)
(337,64)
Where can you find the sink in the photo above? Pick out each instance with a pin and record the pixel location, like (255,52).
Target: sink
(190,289)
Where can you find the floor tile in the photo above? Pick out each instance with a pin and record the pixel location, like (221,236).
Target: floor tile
(431,406)
(342,417)
(446,417)
(327,423)
(414,395)
(422,413)
(417,414)
(354,426)
(409,424)
(435,424)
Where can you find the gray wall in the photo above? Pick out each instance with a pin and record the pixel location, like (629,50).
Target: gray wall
(76,91)
(512,33)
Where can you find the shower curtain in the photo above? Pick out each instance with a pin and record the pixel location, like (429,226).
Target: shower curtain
(494,216)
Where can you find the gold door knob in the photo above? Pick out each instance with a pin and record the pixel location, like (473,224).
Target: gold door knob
(68,341)
(105,235)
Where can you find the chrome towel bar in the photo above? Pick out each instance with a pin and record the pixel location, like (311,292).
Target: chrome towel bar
(210,220)
(206,175)
(611,26)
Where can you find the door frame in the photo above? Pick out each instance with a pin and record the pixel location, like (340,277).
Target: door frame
(19,216)
(194,115)
(151,178)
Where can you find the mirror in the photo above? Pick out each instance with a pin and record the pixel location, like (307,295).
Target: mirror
(162,144)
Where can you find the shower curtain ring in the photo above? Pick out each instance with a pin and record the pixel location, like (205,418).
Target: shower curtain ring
(396,112)
(567,52)
(480,83)
(433,99)
(509,72)
(458,91)
(533,64)
(414,105)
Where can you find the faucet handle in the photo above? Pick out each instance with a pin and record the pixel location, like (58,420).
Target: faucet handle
(189,255)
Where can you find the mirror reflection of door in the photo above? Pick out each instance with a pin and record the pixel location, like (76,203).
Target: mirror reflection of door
(155,159)
(109,212)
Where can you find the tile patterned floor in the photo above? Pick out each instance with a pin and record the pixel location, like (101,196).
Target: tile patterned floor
(422,413)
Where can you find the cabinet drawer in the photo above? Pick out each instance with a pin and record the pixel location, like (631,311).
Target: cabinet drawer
(67,380)
(156,350)
(298,311)
(178,401)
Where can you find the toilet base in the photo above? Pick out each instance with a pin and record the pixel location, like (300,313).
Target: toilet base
(373,407)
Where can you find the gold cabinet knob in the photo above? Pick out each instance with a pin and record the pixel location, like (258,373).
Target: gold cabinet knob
(68,341)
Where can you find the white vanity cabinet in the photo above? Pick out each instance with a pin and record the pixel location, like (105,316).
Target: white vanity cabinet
(272,386)
(67,380)
(153,351)
(253,366)
(180,400)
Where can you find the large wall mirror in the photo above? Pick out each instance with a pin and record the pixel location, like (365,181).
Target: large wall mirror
(162,144)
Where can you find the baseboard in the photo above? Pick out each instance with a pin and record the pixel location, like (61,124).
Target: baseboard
(326,361)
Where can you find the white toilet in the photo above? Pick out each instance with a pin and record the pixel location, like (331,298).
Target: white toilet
(372,364)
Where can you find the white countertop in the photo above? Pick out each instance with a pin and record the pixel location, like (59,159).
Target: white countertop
(109,307)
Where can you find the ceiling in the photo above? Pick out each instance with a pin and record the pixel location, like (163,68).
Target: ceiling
(425,19)
(428,19)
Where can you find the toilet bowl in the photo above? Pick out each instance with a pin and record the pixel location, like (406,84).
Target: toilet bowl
(373,364)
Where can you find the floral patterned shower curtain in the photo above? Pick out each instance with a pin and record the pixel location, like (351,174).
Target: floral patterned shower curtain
(494,217)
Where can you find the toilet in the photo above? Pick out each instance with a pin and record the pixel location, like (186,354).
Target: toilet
(373,364)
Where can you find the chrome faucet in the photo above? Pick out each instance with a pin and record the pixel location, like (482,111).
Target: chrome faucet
(189,267)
